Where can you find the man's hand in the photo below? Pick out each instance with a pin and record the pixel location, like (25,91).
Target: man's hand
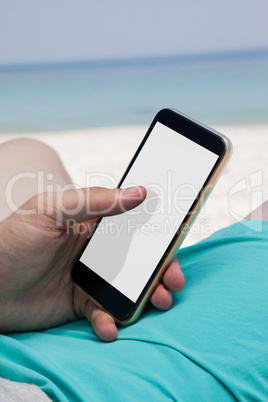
(38,250)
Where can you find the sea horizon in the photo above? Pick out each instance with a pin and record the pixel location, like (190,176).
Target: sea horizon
(259,52)
(215,88)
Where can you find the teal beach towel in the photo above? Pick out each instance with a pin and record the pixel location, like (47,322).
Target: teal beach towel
(211,345)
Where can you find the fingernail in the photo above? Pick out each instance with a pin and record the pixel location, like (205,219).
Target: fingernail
(131,191)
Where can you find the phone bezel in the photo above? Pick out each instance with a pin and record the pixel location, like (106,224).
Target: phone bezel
(95,287)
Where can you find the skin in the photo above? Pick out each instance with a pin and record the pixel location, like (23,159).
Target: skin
(38,251)
(260,213)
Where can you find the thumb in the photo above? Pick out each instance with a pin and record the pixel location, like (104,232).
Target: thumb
(84,204)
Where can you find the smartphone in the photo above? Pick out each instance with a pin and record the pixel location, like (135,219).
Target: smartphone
(178,162)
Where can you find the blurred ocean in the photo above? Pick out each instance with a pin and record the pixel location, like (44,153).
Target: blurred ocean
(215,89)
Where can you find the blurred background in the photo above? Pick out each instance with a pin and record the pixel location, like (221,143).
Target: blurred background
(88,77)
(66,65)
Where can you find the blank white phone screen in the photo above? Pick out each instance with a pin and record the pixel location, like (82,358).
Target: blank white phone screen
(125,249)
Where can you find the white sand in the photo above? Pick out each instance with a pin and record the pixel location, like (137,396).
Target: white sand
(107,151)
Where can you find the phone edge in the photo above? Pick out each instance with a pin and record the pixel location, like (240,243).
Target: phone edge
(205,194)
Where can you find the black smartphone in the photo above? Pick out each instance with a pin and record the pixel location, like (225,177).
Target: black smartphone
(178,162)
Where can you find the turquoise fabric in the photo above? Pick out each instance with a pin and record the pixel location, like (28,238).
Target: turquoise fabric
(212,345)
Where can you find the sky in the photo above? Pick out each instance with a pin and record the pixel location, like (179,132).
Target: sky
(36,31)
